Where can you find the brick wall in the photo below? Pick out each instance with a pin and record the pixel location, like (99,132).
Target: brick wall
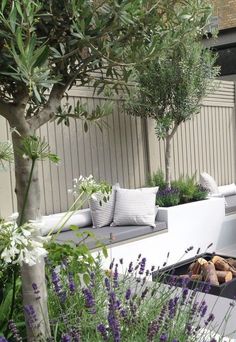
(226,12)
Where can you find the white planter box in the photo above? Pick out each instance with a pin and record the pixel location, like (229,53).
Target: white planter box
(197,223)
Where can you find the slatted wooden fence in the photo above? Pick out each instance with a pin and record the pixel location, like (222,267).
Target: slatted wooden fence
(128,150)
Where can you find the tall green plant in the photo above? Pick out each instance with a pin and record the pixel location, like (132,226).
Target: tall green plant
(169,89)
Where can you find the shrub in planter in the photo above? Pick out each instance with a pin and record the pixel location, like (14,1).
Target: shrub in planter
(183,190)
(168,197)
(157,179)
(189,190)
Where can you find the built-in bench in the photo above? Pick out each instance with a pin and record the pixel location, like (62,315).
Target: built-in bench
(109,235)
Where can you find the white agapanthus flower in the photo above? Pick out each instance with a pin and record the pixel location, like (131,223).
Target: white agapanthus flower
(88,185)
(23,244)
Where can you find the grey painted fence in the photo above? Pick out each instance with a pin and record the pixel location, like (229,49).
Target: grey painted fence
(128,150)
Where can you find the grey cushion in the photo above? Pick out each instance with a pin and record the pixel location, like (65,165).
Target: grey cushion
(109,235)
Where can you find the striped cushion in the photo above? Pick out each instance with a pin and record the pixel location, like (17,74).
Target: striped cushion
(102,215)
(135,207)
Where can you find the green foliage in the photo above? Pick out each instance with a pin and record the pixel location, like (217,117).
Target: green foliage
(157,179)
(48,42)
(189,190)
(35,148)
(6,153)
(183,190)
(126,304)
(169,87)
(168,197)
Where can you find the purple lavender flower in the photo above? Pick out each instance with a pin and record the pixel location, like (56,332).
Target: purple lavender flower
(14,331)
(184,295)
(107,284)
(206,288)
(71,283)
(36,291)
(210,318)
(89,300)
(111,264)
(163,337)
(153,329)
(2,339)
(142,266)
(31,316)
(128,294)
(172,307)
(144,293)
(57,286)
(66,338)
(130,268)
(103,331)
(115,277)
(112,318)
(92,279)
(75,334)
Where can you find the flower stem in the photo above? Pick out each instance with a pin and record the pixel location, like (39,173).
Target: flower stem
(27,193)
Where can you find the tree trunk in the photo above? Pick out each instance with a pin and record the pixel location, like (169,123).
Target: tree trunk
(168,159)
(30,274)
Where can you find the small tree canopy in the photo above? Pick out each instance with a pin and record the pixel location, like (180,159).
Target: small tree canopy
(169,88)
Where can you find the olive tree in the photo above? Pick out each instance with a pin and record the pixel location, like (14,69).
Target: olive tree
(46,46)
(169,90)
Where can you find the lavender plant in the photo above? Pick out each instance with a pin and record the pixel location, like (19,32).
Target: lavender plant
(126,305)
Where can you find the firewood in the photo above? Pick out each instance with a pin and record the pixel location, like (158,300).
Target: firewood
(231,262)
(195,268)
(209,273)
(224,276)
(196,277)
(221,264)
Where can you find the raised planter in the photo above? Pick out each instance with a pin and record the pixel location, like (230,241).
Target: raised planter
(197,223)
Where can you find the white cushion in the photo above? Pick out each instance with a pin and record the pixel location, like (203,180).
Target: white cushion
(135,207)
(81,218)
(209,183)
(102,215)
(227,190)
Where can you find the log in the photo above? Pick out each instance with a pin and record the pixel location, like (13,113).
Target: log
(196,267)
(231,262)
(224,276)
(222,265)
(209,273)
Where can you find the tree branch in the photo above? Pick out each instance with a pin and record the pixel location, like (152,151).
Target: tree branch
(49,109)
(173,130)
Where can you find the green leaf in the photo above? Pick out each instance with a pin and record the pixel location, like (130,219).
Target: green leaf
(4,2)
(86,278)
